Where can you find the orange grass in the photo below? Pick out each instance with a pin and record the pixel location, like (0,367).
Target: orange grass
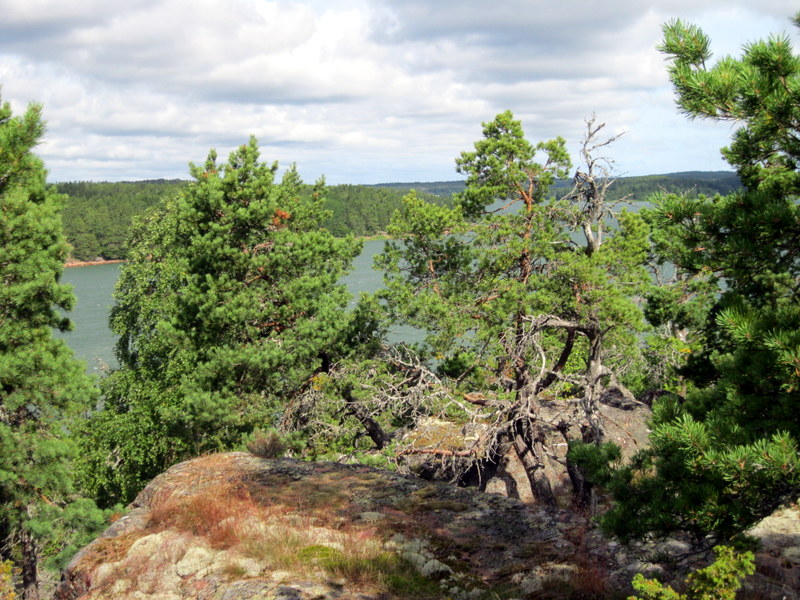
(213,513)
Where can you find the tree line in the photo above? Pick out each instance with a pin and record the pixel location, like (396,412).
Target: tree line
(97,216)
(536,301)
(637,188)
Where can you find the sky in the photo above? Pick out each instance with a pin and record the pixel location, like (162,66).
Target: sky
(360,91)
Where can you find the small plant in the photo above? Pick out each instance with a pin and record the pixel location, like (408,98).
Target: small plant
(212,513)
(7,581)
(382,569)
(267,444)
(718,581)
(234,571)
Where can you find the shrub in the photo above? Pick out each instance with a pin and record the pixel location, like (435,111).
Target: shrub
(267,444)
(718,581)
(7,581)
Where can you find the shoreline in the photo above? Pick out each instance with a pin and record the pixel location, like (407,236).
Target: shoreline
(89,263)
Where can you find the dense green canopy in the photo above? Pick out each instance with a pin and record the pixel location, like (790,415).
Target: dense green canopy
(229,303)
(728,456)
(42,387)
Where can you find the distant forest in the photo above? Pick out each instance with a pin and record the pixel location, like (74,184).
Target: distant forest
(97,216)
(707,183)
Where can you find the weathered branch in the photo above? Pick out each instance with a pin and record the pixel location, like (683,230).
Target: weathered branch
(439,452)
(562,361)
(374,430)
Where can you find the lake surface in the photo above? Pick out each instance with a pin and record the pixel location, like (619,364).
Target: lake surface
(92,340)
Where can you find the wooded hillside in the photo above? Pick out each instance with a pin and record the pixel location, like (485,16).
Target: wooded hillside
(707,183)
(97,215)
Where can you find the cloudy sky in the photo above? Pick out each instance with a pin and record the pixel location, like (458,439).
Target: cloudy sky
(362,91)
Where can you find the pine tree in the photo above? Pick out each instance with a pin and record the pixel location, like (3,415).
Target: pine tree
(728,456)
(229,303)
(42,387)
(513,306)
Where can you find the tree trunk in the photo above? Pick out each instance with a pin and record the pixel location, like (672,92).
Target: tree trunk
(594,432)
(582,488)
(592,428)
(30,579)
(374,430)
(5,535)
(531,455)
(569,344)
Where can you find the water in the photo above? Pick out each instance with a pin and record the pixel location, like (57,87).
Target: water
(363,278)
(92,341)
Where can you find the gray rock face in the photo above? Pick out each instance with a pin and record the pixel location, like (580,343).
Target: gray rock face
(778,558)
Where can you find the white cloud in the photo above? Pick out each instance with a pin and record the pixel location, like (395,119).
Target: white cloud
(363,91)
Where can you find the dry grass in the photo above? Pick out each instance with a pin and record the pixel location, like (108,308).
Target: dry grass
(213,513)
(229,518)
(286,544)
(442,435)
(591,582)
(112,549)
(267,444)
(323,498)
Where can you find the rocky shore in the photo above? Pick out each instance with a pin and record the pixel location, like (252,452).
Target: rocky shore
(87,263)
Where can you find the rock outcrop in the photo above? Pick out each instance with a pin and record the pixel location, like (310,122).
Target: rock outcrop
(234,527)
(625,423)
(238,527)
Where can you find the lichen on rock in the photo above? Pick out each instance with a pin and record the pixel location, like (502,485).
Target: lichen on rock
(235,526)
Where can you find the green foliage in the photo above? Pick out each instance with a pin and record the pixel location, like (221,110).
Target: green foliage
(598,462)
(761,90)
(384,569)
(7,591)
(42,387)
(363,210)
(354,408)
(451,261)
(692,481)
(635,189)
(97,216)
(271,443)
(228,305)
(718,581)
(728,456)
(468,273)
(641,188)
(64,530)
(512,305)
